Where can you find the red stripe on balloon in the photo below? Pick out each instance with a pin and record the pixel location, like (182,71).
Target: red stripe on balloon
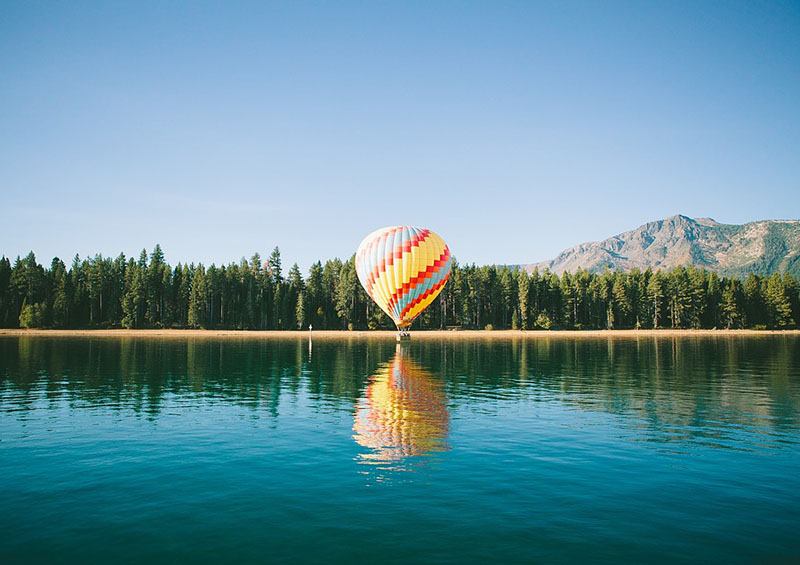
(396,253)
(419,278)
(422,297)
(368,249)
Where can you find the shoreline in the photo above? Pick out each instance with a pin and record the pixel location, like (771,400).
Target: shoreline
(386,334)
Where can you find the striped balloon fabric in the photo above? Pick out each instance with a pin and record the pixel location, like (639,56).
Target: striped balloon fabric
(403,268)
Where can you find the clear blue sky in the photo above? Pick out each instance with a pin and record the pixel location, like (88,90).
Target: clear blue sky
(513,129)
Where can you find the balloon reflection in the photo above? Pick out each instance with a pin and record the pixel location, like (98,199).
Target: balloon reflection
(402,413)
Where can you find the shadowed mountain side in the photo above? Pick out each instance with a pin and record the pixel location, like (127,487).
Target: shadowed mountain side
(731,250)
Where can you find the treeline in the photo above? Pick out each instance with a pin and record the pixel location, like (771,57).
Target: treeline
(102,292)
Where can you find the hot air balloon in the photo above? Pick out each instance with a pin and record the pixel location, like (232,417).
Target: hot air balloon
(403,268)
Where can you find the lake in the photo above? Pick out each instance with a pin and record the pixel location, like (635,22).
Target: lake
(656,449)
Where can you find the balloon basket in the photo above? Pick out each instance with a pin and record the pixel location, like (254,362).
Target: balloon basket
(403,336)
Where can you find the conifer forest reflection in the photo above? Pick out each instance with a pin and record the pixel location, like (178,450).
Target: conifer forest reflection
(680,381)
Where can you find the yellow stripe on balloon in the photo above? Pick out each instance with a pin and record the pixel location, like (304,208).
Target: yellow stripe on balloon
(403,269)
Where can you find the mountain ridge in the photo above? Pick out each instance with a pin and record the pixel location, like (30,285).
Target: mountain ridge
(760,247)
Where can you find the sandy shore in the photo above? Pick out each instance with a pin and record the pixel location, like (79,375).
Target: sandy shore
(422,334)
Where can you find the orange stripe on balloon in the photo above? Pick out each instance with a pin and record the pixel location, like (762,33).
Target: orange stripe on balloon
(396,253)
(423,296)
(420,277)
(368,250)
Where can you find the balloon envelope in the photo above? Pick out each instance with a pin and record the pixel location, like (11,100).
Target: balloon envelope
(403,268)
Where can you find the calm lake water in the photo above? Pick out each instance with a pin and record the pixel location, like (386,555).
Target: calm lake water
(247,450)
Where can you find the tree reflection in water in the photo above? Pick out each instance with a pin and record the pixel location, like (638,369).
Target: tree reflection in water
(402,413)
(680,390)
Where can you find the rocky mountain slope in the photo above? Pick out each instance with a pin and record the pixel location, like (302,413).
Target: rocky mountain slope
(731,250)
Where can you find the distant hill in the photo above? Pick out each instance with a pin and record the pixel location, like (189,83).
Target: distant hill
(730,250)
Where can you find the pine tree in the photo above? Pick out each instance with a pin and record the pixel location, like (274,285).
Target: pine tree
(523,296)
(582,282)
(608,279)
(300,311)
(730,306)
(696,296)
(655,293)
(60,304)
(274,263)
(95,282)
(679,292)
(568,300)
(32,315)
(28,286)
(314,298)
(713,296)
(779,306)
(621,300)
(198,299)
(508,295)
(643,314)
(155,286)
(345,293)
(791,288)
(5,293)
(755,307)
(134,297)
(112,290)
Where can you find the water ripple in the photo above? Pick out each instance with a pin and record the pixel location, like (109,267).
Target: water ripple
(533,450)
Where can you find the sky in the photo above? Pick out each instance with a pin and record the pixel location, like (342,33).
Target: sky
(512,129)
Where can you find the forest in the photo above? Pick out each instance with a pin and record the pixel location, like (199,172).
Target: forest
(121,292)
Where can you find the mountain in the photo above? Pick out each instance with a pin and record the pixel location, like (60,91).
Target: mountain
(730,250)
